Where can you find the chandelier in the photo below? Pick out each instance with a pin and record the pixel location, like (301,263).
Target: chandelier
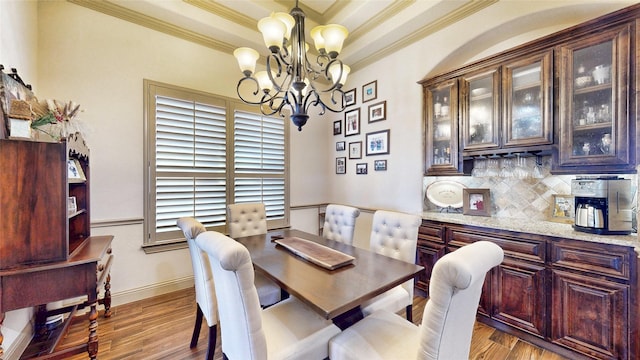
(291,79)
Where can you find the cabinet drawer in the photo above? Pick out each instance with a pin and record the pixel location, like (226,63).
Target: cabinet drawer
(521,247)
(103,268)
(431,232)
(604,259)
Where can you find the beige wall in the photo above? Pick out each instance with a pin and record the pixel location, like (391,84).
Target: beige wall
(100,62)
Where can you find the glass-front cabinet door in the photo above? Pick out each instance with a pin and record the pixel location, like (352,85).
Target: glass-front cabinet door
(527,91)
(441,132)
(594,119)
(481,110)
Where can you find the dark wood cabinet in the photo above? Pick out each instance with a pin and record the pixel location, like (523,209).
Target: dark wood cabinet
(571,94)
(515,292)
(430,248)
(47,253)
(576,298)
(594,77)
(441,116)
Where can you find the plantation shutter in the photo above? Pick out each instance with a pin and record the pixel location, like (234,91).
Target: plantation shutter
(190,163)
(203,152)
(259,161)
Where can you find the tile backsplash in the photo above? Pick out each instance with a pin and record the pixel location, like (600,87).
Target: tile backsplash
(529,198)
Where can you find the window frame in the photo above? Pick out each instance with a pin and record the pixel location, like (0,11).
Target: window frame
(174,239)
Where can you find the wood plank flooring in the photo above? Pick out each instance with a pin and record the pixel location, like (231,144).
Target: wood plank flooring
(161,327)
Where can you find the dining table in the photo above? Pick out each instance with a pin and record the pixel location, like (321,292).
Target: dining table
(335,293)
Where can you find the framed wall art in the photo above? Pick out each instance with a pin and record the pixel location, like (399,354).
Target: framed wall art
(341,165)
(380,165)
(350,97)
(476,202)
(370,91)
(355,150)
(378,111)
(337,127)
(378,142)
(361,168)
(562,209)
(340,146)
(352,122)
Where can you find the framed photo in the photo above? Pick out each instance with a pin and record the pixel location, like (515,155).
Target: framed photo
(341,165)
(380,165)
(378,143)
(355,150)
(350,97)
(74,171)
(72,207)
(476,202)
(352,122)
(361,168)
(562,209)
(370,91)
(378,111)
(337,127)
(340,146)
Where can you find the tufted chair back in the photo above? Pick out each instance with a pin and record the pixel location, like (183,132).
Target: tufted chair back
(203,279)
(395,235)
(240,318)
(246,219)
(339,223)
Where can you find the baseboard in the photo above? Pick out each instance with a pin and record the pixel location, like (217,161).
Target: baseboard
(144,292)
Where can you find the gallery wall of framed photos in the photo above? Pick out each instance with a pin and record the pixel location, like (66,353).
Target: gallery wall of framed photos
(362,138)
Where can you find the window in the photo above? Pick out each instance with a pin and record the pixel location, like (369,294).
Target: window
(204,151)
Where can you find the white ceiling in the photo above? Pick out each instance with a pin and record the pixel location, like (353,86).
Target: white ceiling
(376,27)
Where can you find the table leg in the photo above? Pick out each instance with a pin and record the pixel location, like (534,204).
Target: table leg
(348,318)
(92,344)
(107,297)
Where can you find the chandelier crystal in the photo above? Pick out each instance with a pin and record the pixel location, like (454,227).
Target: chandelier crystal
(291,79)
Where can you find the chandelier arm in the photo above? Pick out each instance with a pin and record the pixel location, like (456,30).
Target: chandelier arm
(285,84)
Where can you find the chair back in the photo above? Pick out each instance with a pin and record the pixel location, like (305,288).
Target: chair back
(202,276)
(395,234)
(339,223)
(454,295)
(243,336)
(246,219)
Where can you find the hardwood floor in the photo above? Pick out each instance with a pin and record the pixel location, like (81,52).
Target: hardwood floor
(160,328)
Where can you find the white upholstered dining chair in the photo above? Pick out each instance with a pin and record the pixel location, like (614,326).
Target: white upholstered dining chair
(286,330)
(447,321)
(395,235)
(203,279)
(340,223)
(247,219)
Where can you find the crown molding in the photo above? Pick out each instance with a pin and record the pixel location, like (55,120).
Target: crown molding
(224,12)
(460,13)
(135,17)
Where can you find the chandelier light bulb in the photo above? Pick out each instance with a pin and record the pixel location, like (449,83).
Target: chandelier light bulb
(263,81)
(316,35)
(334,36)
(334,70)
(288,22)
(273,31)
(247,58)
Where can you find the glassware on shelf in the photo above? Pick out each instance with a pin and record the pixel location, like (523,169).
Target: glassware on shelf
(493,166)
(537,172)
(508,167)
(479,167)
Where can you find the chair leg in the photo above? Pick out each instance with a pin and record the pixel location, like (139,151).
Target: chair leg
(410,312)
(211,348)
(196,329)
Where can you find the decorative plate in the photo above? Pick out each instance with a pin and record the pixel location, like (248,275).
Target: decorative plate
(445,193)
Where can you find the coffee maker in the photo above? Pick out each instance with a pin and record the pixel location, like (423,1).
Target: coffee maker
(603,205)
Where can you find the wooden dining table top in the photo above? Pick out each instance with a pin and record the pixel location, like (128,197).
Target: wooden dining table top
(329,292)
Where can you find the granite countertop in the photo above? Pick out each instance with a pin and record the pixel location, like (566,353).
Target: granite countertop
(546,228)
